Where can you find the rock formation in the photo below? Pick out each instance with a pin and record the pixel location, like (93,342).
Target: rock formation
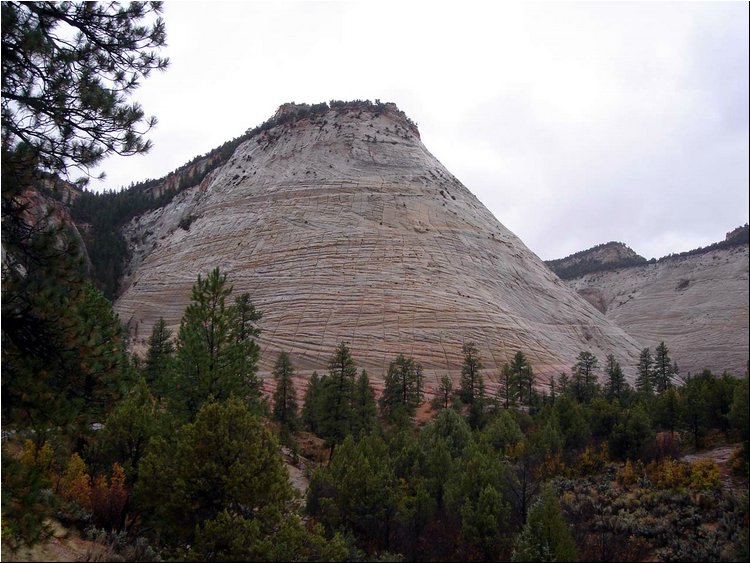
(696,302)
(343,227)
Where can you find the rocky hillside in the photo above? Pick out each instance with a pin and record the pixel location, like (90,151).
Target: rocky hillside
(696,302)
(342,226)
(606,256)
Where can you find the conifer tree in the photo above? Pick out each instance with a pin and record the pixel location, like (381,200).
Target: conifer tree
(523,376)
(507,391)
(584,377)
(471,378)
(615,378)
(364,408)
(402,387)
(444,393)
(213,361)
(337,397)
(311,406)
(662,372)
(644,380)
(159,358)
(545,536)
(218,490)
(284,398)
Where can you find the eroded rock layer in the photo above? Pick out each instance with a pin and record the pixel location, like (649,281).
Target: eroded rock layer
(697,305)
(343,227)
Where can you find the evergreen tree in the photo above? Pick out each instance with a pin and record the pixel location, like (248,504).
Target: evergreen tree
(444,393)
(584,377)
(644,380)
(312,404)
(364,408)
(284,398)
(615,379)
(662,372)
(523,376)
(337,397)
(545,536)
(127,432)
(219,490)
(507,391)
(213,362)
(402,387)
(64,96)
(471,379)
(159,358)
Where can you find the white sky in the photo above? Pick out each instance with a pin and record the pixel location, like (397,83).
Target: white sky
(574,123)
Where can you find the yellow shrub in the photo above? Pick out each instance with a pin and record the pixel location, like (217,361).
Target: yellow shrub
(705,474)
(75,484)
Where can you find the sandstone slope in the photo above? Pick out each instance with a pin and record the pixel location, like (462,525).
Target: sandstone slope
(342,226)
(697,304)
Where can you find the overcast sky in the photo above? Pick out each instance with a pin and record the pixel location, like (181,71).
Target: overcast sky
(574,123)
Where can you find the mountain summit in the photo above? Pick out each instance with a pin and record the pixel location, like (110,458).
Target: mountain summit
(343,227)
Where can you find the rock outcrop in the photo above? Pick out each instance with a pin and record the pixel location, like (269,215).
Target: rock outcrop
(696,302)
(343,227)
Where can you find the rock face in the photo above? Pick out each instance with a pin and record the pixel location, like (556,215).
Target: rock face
(343,227)
(697,304)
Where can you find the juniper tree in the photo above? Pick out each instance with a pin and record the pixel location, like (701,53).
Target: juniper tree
(284,398)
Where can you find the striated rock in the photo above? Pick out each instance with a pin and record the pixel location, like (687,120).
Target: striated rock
(697,303)
(343,227)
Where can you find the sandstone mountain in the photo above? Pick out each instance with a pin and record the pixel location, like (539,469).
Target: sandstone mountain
(696,302)
(343,227)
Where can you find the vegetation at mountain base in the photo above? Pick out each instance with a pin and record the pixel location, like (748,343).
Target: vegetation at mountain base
(188,465)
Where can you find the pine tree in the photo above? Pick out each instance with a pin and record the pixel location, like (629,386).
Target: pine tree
(615,378)
(213,362)
(545,536)
(337,397)
(444,393)
(218,488)
(471,379)
(402,387)
(284,398)
(364,408)
(311,406)
(507,391)
(159,358)
(662,373)
(644,380)
(64,95)
(584,377)
(523,376)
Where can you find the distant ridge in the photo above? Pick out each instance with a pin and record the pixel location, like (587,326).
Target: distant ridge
(614,255)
